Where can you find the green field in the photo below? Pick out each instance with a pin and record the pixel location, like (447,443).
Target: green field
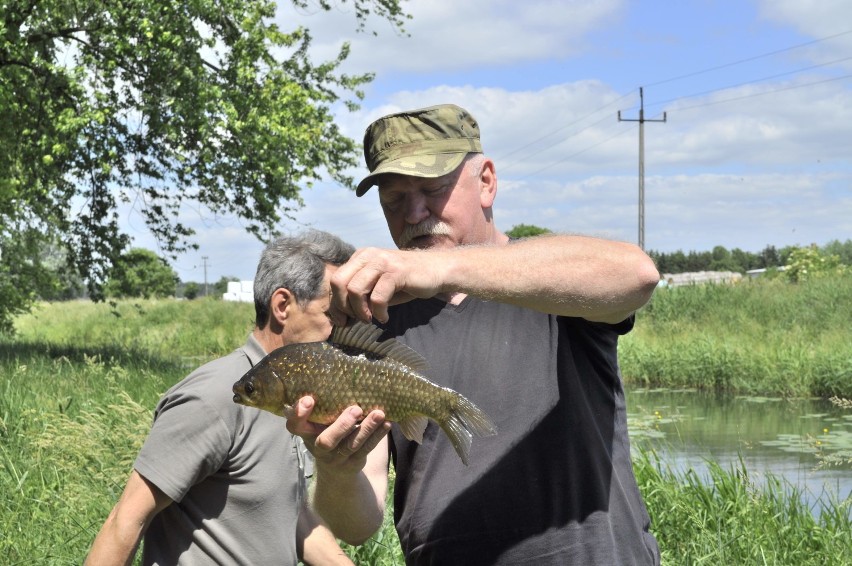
(79,382)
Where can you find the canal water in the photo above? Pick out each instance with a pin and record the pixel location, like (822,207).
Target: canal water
(794,440)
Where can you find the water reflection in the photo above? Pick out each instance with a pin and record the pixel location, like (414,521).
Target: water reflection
(792,439)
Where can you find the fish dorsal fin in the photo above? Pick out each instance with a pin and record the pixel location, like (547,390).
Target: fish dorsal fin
(364,336)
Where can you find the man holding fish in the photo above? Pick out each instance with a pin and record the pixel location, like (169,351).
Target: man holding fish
(526,330)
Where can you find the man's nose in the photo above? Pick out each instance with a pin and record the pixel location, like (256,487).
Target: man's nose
(415,208)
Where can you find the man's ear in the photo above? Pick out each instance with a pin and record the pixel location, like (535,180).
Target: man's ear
(487,183)
(280,305)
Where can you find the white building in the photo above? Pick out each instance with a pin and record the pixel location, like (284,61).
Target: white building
(241,291)
(700,277)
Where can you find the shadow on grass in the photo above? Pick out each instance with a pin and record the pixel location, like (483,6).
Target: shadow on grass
(23,351)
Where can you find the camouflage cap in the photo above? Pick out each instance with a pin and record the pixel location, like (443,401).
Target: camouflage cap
(428,142)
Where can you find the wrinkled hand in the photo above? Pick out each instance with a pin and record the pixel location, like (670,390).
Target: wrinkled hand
(345,443)
(374,279)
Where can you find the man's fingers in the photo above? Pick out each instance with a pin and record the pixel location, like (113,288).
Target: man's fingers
(298,415)
(363,286)
(338,317)
(360,307)
(337,431)
(366,435)
(346,443)
(297,420)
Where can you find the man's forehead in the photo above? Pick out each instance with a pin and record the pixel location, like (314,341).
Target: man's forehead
(397,181)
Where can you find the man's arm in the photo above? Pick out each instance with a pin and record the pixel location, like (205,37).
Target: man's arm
(316,543)
(596,279)
(119,537)
(351,469)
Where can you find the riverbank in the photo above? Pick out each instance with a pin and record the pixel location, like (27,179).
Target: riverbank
(758,337)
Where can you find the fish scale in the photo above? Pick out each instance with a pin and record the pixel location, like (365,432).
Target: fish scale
(357,368)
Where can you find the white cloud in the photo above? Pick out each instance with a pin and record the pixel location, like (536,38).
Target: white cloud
(448,35)
(826,20)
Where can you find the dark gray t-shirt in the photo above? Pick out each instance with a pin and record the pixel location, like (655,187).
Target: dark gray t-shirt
(555,485)
(232,471)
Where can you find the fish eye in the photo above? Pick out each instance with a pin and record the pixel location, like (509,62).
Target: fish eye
(249,388)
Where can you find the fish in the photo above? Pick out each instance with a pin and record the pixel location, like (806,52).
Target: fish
(354,367)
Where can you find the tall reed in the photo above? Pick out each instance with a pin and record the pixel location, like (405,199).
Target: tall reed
(726,518)
(767,337)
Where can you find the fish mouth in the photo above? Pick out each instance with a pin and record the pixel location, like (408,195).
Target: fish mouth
(240,394)
(240,400)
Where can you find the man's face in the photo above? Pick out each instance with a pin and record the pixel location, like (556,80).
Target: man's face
(311,322)
(427,213)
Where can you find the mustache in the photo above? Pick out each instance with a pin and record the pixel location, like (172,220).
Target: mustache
(429,227)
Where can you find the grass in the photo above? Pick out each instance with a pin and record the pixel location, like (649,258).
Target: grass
(80,380)
(69,431)
(763,337)
(79,385)
(726,519)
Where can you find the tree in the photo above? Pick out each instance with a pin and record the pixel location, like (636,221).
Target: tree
(722,260)
(158,104)
(191,290)
(843,250)
(220,287)
(809,263)
(140,273)
(769,257)
(526,230)
(23,278)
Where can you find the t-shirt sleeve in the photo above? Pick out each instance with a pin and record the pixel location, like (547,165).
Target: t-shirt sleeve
(619,328)
(188,441)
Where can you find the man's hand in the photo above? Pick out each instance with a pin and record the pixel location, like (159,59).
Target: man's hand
(344,444)
(374,279)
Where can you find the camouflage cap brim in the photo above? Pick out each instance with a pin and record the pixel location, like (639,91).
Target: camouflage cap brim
(428,142)
(429,166)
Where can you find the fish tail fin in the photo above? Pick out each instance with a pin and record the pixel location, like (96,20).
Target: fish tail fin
(466,420)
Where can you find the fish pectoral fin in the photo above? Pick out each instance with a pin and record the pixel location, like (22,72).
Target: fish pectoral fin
(413,428)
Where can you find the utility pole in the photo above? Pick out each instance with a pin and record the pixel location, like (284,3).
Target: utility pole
(204,261)
(641,121)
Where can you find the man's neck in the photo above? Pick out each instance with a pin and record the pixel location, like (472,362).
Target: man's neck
(268,340)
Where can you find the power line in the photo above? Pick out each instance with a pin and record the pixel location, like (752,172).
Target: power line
(575,154)
(691,74)
(577,121)
(778,75)
(773,91)
(578,132)
(749,59)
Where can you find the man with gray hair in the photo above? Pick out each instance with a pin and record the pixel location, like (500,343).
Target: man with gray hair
(528,330)
(217,482)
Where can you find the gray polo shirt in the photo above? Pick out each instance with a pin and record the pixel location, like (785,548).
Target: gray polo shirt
(232,471)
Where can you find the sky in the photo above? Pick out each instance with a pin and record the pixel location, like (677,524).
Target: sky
(756,149)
